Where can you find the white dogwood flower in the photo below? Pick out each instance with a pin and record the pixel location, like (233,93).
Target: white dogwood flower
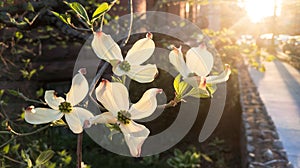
(114,97)
(107,49)
(75,116)
(196,68)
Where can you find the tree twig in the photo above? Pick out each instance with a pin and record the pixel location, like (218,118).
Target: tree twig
(13,160)
(79,149)
(130,6)
(95,81)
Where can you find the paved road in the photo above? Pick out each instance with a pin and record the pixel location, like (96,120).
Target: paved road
(279,88)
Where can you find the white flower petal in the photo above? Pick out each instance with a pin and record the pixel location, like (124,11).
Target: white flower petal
(199,61)
(83,114)
(143,73)
(176,58)
(42,115)
(146,105)
(78,90)
(113,96)
(74,122)
(52,100)
(134,135)
(223,77)
(196,82)
(103,118)
(105,47)
(141,51)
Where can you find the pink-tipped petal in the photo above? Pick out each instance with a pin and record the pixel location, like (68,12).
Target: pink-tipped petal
(141,51)
(146,105)
(199,61)
(113,96)
(223,77)
(134,135)
(176,59)
(78,90)
(103,118)
(52,100)
(105,47)
(42,115)
(143,73)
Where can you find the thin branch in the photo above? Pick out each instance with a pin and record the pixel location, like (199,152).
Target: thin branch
(83,22)
(4,132)
(7,142)
(130,6)
(22,134)
(79,149)
(171,103)
(30,100)
(13,160)
(102,22)
(29,133)
(80,29)
(96,80)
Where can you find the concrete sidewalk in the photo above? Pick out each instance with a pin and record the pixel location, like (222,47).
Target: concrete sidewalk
(279,88)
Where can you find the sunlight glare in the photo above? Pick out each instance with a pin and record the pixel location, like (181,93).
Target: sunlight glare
(259,9)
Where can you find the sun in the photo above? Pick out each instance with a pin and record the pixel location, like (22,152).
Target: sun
(257,10)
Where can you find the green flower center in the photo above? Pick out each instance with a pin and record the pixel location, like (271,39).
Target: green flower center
(125,66)
(65,107)
(124,116)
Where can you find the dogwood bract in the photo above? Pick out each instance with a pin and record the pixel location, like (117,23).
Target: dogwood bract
(196,68)
(107,49)
(114,97)
(75,116)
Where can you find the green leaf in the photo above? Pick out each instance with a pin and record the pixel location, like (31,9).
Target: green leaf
(79,9)
(22,115)
(31,73)
(44,157)
(41,67)
(207,158)
(100,10)
(40,92)
(15,148)
(116,79)
(24,73)
(262,68)
(18,35)
(182,87)
(211,88)
(29,162)
(270,58)
(1,93)
(26,20)
(6,149)
(13,92)
(63,17)
(30,7)
(198,93)
(177,152)
(26,158)
(51,165)
(176,83)
(59,122)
